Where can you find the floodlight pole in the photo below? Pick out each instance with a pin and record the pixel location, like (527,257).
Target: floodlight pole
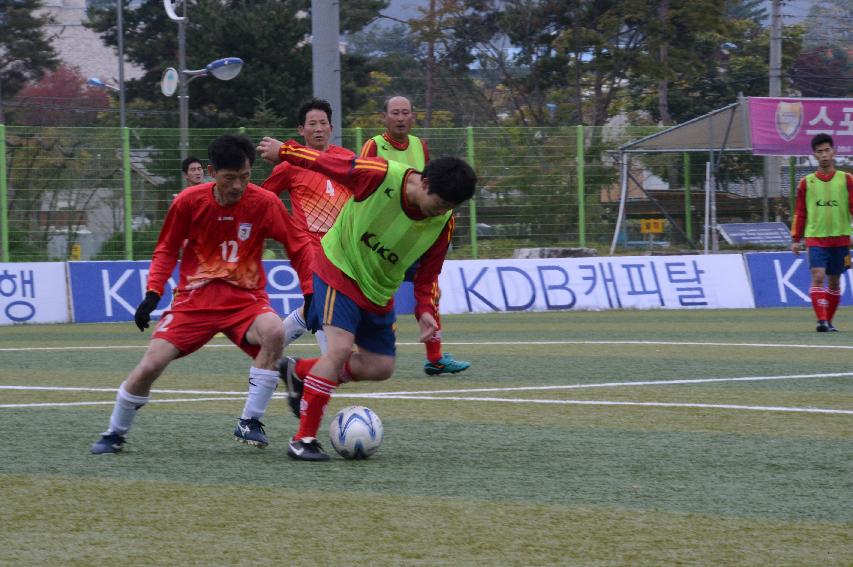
(771,163)
(183,90)
(120,32)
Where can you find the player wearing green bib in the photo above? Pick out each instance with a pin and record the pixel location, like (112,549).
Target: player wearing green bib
(398,144)
(822,214)
(396,216)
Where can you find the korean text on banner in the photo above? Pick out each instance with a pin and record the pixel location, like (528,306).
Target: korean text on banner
(33,293)
(631,282)
(785,126)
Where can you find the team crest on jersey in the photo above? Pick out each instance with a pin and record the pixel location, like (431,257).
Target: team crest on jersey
(244,231)
(789,118)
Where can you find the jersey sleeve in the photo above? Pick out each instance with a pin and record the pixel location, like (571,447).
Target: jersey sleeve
(175,230)
(798,223)
(429,267)
(369,149)
(360,175)
(281,179)
(280,225)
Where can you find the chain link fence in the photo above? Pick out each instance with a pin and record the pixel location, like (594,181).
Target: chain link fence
(99,194)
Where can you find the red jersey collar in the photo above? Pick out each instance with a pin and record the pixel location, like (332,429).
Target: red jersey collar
(825,176)
(402,146)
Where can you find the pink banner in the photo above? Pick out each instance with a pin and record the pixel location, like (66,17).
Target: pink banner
(786,126)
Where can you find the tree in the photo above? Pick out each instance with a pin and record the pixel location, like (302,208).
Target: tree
(271,36)
(25,47)
(60,98)
(824,72)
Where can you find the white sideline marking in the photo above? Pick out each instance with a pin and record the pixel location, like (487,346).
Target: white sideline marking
(467,390)
(505,400)
(616,403)
(431,394)
(111,402)
(611,384)
(479,343)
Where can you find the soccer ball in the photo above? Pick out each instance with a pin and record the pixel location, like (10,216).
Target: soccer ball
(356,432)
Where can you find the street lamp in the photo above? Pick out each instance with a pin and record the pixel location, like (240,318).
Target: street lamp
(99,84)
(222,69)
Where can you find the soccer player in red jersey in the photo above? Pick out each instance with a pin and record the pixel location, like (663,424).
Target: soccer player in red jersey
(396,216)
(219,228)
(397,144)
(315,202)
(822,214)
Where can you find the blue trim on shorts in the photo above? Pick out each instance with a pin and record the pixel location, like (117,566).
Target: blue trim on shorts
(373,332)
(836,259)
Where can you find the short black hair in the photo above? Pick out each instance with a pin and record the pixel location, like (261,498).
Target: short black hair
(230,151)
(822,139)
(314,104)
(185,165)
(387,100)
(451,178)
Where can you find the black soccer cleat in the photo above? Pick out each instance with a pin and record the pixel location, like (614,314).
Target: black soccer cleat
(251,432)
(108,443)
(287,373)
(830,327)
(822,326)
(306,449)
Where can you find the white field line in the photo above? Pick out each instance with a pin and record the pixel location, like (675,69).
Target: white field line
(479,343)
(618,403)
(470,390)
(430,395)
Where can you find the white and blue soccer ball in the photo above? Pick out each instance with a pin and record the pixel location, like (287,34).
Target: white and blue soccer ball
(356,432)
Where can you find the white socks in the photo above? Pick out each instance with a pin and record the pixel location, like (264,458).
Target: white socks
(125,410)
(294,327)
(262,384)
(322,341)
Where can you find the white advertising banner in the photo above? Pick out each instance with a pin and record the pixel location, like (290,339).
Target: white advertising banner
(33,293)
(625,282)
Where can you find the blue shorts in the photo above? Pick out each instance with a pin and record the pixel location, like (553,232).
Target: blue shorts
(836,259)
(373,332)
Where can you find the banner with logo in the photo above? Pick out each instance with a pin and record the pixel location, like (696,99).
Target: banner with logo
(629,282)
(104,292)
(780,279)
(785,126)
(33,293)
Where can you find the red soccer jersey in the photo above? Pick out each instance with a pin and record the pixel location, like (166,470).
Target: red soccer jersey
(315,199)
(798,224)
(363,176)
(225,243)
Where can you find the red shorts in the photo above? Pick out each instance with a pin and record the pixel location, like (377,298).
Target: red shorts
(196,316)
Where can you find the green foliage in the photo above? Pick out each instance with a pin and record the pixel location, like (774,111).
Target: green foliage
(26,51)
(144,242)
(269,35)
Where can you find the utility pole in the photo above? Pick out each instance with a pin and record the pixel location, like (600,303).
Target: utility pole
(326,58)
(430,67)
(771,163)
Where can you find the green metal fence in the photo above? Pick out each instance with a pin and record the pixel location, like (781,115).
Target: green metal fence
(102,193)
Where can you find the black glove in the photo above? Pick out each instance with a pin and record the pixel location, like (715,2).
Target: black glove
(143,312)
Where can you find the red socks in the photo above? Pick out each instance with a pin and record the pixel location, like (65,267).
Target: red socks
(833,297)
(820,304)
(433,349)
(304,366)
(316,393)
